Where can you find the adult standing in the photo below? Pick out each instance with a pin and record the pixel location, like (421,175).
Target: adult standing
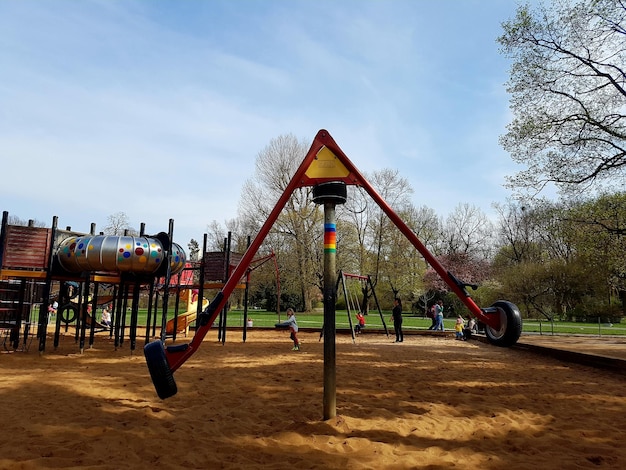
(433,317)
(396,316)
(439,315)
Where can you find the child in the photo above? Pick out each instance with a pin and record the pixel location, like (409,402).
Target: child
(292,324)
(106,317)
(458,328)
(360,323)
(469,329)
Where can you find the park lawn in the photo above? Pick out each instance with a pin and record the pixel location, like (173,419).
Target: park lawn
(264,319)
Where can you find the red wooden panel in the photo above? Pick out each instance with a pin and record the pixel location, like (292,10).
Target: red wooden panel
(215,263)
(214,266)
(234,261)
(27,247)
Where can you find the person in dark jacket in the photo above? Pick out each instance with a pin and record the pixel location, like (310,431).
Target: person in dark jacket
(396,317)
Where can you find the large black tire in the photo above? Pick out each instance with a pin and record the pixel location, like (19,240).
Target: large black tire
(160,372)
(510,325)
(72,313)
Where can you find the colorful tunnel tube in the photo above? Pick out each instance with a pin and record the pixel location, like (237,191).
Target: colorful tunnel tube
(142,255)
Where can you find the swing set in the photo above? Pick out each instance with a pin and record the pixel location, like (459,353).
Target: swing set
(352,298)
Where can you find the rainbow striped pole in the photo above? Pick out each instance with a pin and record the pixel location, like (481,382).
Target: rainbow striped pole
(330,194)
(330,237)
(330,300)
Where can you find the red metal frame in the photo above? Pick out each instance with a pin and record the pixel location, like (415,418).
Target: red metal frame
(303,177)
(356,276)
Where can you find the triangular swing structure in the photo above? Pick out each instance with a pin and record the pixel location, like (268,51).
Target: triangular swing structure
(325,162)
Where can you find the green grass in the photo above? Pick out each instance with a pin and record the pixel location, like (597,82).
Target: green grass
(261,318)
(265,319)
(571,328)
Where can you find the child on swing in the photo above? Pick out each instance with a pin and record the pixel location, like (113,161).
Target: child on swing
(360,323)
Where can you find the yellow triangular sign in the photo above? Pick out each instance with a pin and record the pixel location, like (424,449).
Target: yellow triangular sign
(326,165)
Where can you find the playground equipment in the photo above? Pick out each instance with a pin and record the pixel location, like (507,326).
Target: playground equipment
(351,297)
(145,258)
(83,271)
(33,259)
(181,322)
(325,166)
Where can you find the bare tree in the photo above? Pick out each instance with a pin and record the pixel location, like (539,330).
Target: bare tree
(297,234)
(467,231)
(516,232)
(425,223)
(382,233)
(118,224)
(15,220)
(217,233)
(352,250)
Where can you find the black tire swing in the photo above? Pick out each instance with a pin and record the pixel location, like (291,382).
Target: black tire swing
(159,368)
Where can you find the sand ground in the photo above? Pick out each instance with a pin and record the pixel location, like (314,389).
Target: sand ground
(430,402)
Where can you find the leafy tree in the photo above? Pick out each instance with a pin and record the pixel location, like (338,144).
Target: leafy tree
(568,93)
(552,231)
(599,227)
(525,284)
(463,248)
(194,250)
(568,256)
(425,224)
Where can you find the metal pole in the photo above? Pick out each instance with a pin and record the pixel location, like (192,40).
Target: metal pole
(245,301)
(330,298)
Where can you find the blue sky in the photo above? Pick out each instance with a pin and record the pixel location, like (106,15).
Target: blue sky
(159,108)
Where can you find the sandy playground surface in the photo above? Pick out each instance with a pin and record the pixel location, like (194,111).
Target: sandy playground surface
(426,403)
